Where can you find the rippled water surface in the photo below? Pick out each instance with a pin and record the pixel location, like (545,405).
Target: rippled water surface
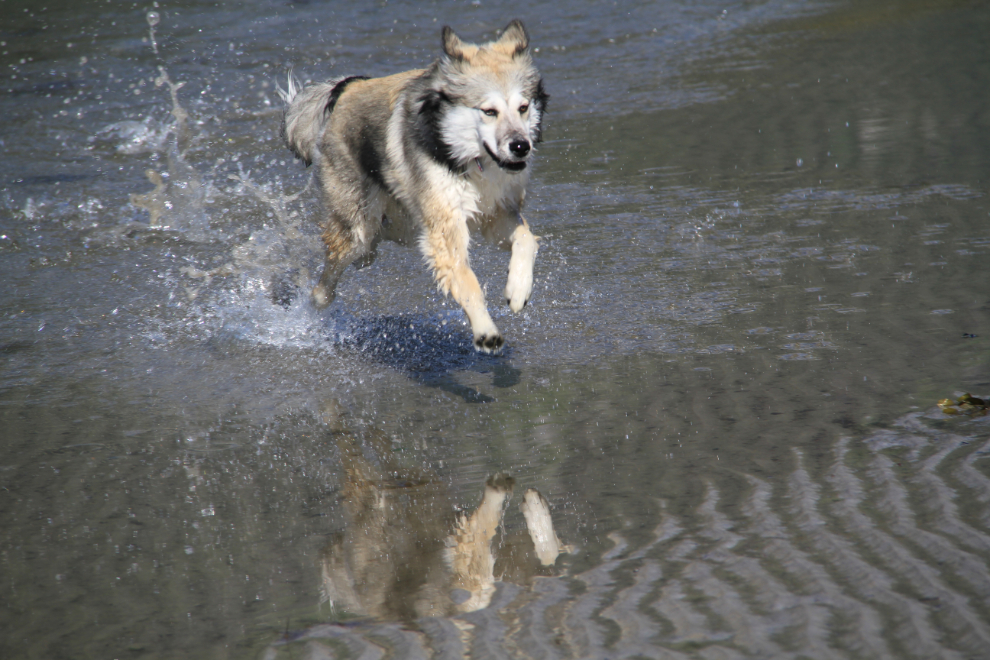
(765,258)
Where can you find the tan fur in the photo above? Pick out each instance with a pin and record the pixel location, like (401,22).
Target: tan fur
(401,160)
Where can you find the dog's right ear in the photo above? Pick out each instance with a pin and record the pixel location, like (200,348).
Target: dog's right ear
(453,47)
(514,38)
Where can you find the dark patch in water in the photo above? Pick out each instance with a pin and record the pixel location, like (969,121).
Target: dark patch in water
(427,351)
(10,347)
(47,88)
(51,179)
(283,288)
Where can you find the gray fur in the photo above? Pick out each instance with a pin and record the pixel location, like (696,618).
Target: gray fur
(305,116)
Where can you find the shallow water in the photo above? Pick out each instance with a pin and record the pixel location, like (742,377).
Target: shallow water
(764,260)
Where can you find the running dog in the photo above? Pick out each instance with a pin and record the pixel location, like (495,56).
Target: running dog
(427,156)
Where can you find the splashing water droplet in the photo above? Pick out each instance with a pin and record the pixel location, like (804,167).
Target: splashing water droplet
(153,17)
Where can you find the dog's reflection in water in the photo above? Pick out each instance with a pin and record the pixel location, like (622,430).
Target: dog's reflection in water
(406,554)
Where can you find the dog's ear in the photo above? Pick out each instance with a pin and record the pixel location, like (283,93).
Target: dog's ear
(514,39)
(453,47)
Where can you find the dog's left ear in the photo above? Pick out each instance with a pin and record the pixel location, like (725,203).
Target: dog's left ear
(453,47)
(514,38)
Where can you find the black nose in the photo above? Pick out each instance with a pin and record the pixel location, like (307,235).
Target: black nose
(519,148)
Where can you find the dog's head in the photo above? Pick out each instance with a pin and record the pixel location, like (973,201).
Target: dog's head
(492,97)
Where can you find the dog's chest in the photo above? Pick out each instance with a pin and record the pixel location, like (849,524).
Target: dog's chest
(488,191)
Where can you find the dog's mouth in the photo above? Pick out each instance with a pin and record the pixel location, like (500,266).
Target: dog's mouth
(511,165)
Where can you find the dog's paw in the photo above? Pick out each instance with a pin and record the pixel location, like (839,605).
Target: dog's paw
(501,482)
(518,288)
(321,296)
(489,343)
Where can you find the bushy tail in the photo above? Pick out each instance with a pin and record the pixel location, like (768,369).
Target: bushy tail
(306,111)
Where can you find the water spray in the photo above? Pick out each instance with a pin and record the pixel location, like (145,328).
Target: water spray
(153,18)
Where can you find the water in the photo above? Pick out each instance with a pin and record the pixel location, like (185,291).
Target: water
(764,262)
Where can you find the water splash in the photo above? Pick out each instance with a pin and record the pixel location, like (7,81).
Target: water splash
(153,18)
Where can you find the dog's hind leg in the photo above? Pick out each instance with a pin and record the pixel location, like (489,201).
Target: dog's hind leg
(510,231)
(326,288)
(351,233)
(344,245)
(369,257)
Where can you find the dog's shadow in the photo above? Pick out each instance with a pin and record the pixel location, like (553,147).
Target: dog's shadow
(430,349)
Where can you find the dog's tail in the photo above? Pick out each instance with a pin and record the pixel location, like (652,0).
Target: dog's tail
(306,112)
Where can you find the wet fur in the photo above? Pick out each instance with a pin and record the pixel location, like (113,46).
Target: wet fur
(416,159)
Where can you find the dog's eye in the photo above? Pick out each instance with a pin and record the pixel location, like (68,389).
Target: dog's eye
(490,112)
(523,108)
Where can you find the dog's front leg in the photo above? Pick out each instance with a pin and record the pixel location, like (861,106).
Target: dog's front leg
(469,549)
(446,249)
(519,285)
(510,231)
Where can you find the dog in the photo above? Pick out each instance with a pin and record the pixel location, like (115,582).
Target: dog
(425,157)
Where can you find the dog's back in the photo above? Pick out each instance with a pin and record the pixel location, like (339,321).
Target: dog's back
(345,117)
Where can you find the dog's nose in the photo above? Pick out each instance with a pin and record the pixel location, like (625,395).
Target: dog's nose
(519,148)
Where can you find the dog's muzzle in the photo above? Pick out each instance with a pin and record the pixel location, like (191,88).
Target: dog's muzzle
(512,166)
